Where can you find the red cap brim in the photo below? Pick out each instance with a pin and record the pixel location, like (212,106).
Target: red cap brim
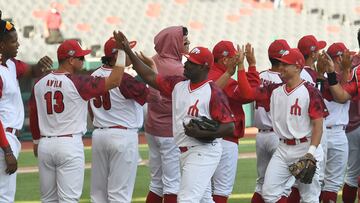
(321,44)
(191,59)
(83,53)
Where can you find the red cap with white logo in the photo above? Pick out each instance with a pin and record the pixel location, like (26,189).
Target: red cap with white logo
(71,48)
(337,49)
(277,48)
(293,57)
(201,56)
(309,43)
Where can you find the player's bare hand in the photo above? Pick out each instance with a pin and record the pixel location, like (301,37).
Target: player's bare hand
(35,150)
(327,62)
(240,57)
(321,66)
(346,61)
(145,59)
(250,54)
(45,64)
(121,41)
(11,163)
(230,64)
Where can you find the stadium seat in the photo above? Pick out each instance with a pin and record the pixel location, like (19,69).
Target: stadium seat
(28,31)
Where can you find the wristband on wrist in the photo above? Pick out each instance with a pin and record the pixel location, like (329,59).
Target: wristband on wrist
(120,59)
(332,78)
(312,149)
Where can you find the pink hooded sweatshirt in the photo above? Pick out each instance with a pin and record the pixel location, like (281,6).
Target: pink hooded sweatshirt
(169,47)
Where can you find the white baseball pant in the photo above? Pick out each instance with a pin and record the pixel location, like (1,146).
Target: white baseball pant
(266,145)
(225,173)
(114,165)
(337,156)
(164,163)
(198,165)
(353,166)
(278,179)
(61,168)
(8,182)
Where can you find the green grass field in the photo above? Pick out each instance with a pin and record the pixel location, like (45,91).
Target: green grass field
(28,183)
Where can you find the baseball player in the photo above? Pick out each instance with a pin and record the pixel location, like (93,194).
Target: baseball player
(11,104)
(198,160)
(353,166)
(309,46)
(224,176)
(353,135)
(117,117)
(58,113)
(337,143)
(164,155)
(297,110)
(266,139)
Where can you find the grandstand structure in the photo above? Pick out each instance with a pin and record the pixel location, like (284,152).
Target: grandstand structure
(208,21)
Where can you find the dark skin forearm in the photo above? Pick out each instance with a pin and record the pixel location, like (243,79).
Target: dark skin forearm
(144,71)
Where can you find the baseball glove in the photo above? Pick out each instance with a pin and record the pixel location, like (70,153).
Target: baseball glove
(205,124)
(304,169)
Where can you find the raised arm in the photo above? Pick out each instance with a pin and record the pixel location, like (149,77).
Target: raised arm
(145,72)
(338,92)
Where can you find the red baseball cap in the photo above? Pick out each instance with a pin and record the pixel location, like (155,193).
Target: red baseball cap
(71,48)
(337,49)
(277,48)
(224,49)
(309,43)
(201,56)
(110,46)
(293,57)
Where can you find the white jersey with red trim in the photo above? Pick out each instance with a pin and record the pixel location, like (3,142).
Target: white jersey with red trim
(189,104)
(113,108)
(262,119)
(338,113)
(11,104)
(53,93)
(308,75)
(291,110)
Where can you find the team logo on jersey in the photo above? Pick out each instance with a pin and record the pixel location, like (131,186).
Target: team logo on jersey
(295,108)
(193,110)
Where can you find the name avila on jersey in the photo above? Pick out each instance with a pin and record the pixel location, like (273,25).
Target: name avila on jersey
(54,83)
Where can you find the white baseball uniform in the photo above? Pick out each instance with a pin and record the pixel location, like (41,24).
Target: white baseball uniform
(224,177)
(198,160)
(266,139)
(291,111)
(118,115)
(58,114)
(337,145)
(12,117)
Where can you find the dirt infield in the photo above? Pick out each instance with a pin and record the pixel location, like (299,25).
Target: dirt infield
(27,145)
